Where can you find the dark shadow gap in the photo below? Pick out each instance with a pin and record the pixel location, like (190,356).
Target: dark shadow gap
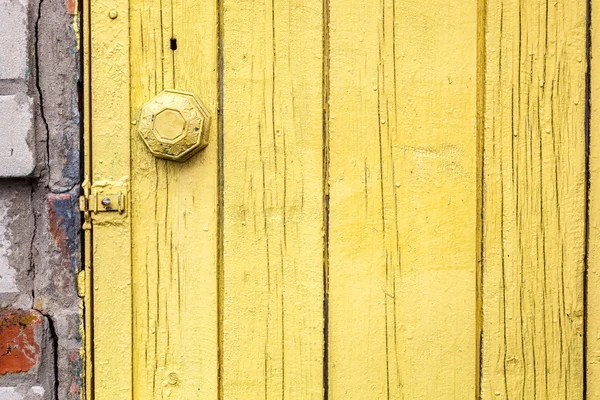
(325,91)
(587,117)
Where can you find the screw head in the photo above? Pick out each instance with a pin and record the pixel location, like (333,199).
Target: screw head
(106,202)
(113,14)
(173,378)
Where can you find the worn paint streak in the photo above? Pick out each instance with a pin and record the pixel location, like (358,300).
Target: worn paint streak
(403,199)
(73,9)
(64,227)
(534,216)
(74,387)
(273,202)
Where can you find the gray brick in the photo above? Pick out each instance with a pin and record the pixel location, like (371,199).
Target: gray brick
(13,39)
(21,392)
(16,136)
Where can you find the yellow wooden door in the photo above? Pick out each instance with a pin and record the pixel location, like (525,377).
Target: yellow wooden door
(391,203)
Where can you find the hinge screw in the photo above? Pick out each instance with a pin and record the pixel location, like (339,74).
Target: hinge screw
(106,202)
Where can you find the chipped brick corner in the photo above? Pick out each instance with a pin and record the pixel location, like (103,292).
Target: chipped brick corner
(27,354)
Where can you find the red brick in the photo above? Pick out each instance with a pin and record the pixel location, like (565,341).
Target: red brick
(19,351)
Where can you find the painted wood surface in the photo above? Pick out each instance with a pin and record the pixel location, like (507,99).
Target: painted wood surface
(272,200)
(593,246)
(534,213)
(86,328)
(387,187)
(403,209)
(110,119)
(175,214)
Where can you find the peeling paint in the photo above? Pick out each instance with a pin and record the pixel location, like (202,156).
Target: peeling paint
(75,375)
(73,8)
(64,219)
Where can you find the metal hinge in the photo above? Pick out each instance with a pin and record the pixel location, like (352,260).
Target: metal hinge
(100,199)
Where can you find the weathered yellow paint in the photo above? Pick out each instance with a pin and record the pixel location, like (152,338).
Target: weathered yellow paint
(272,200)
(593,245)
(87,325)
(174,217)
(109,120)
(155,267)
(388,185)
(403,223)
(534,200)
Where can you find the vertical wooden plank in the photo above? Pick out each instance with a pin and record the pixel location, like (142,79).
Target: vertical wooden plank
(273,208)
(534,199)
(110,121)
(593,245)
(87,350)
(403,227)
(175,209)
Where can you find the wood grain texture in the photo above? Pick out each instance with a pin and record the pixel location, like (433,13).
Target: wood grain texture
(593,272)
(272,200)
(175,213)
(110,119)
(403,205)
(373,155)
(534,200)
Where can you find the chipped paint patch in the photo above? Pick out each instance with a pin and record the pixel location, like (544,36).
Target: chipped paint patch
(75,375)
(64,223)
(73,9)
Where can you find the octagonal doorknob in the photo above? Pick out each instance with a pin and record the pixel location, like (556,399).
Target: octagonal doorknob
(174,125)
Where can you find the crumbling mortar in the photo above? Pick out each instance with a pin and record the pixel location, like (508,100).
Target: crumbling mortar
(35,186)
(51,328)
(43,182)
(54,338)
(31,248)
(61,191)
(39,87)
(41,187)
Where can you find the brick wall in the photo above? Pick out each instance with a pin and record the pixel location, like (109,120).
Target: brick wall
(39,223)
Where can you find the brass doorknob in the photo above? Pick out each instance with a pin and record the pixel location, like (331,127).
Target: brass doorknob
(174,125)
